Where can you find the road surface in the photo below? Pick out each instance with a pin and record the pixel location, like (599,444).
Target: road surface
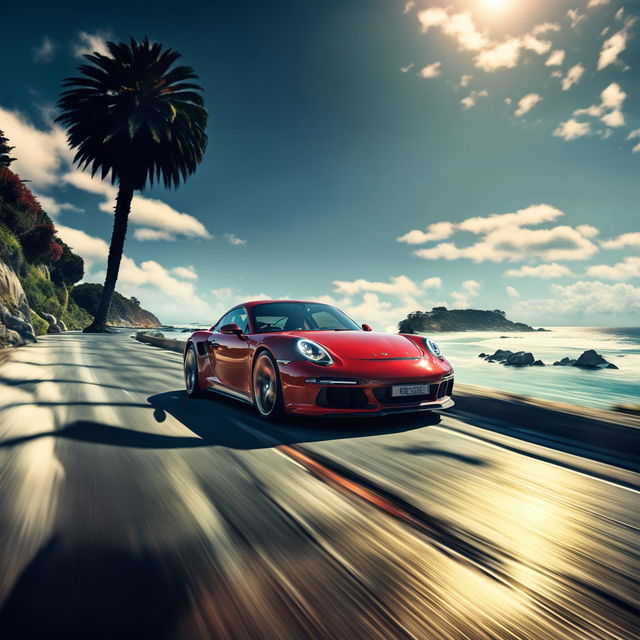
(128,510)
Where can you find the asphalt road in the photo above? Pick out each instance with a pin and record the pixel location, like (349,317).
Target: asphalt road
(128,510)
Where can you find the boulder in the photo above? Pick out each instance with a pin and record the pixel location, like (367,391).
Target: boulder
(49,318)
(15,318)
(482,355)
(538,363)
(500,355)
(590,359)
(62,325)
(520,359)
(565,362)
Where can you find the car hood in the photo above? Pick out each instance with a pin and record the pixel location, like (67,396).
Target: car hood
(363,345)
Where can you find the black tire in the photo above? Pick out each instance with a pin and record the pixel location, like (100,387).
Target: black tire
(190,367)
(266,387)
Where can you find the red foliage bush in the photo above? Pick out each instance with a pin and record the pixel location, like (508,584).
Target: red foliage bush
(56,250)
(15,192)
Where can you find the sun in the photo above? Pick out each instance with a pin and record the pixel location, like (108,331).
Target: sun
(496,5)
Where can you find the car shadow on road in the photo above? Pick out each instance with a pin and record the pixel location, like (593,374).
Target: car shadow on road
(226,422)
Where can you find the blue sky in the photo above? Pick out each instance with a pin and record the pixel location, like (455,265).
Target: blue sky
(340,132)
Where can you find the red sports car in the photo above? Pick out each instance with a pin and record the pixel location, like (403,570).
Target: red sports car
(286,356)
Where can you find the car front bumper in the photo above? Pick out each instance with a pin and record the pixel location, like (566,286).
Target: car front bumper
(363,388)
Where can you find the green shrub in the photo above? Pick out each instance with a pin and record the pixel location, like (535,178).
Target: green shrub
(74,317)
(40,325)
(10,248)
(41,293)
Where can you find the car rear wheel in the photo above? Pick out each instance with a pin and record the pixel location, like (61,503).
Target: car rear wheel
(191,373)
(267,390)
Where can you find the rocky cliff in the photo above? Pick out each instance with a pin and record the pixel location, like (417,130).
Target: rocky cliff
(15,319)
(124,312)
(441,319)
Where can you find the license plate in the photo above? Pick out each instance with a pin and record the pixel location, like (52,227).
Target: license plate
(400,390)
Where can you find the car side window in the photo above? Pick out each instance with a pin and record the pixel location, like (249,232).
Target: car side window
(239,316)
(235,316)
(224,320)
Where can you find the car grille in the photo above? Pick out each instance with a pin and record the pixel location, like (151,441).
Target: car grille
(342,398)
(438,391)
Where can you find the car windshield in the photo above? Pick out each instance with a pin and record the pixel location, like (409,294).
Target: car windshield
(300,316)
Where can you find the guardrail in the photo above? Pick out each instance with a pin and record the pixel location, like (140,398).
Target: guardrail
(164,343)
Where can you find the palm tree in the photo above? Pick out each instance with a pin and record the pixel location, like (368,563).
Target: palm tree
(134,117)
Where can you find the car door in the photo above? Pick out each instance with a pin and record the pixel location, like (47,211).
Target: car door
(229,353)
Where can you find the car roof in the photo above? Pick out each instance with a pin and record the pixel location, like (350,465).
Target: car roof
(255,303)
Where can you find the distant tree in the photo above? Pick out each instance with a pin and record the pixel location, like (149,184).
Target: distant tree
(133,117)
(5,150)
(135,300)
(37,243)
(439,309)
(69,269)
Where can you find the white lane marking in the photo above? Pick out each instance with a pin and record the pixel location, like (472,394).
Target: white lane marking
(551,462)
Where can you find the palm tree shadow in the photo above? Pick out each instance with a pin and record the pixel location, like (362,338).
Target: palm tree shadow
(94,593)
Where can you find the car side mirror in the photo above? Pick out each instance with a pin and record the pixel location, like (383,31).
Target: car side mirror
(366,327)
(230,329)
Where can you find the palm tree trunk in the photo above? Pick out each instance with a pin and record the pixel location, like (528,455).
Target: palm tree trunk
(121,218)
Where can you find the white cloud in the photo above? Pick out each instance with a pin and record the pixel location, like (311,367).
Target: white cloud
(407,68)
(158,288)
(186,273)
(625,240)
(587,230)
(512,292)
(400,286)
(465,80)
(619,13)
(613,46)
(596,297)
(575,17)
(40,153)
(91,43)
(44,52)
(545,271)
(432,283)
(431,71)
(526,103)
(506,238)
(555,59)
(632,136)
(233,239)
(152,235)
(572,129)
(597,3)
(435,231)
(145,212)
(625,270)
(53,207)
(574,75)
(610,108)
(470,289)
(471,100)
(490,54)
(409,6)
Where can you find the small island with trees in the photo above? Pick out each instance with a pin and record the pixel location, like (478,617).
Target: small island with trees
(443,319)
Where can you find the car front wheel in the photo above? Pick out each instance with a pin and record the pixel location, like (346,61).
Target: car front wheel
(267,390)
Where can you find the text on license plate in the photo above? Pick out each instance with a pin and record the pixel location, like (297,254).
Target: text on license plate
(399,390)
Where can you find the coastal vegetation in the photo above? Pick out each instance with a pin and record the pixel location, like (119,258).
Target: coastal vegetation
(45,266)
(443,319)
(136,118)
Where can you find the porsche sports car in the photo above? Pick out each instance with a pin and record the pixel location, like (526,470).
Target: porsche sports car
(286,356)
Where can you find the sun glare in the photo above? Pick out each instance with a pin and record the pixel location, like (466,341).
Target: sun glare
(496,5)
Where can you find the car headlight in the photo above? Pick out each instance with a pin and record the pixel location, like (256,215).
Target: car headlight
(314,352)
(432,348)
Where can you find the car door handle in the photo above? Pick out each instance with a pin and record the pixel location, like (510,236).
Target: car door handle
(212,344)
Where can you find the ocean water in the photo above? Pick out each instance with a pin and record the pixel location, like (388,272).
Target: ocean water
(602,388)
